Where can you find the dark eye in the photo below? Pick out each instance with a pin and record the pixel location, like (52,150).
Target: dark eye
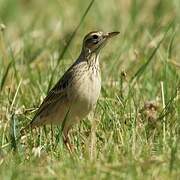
(94,39)
(95,36)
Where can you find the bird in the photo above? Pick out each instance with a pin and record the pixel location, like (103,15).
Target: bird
(76,93)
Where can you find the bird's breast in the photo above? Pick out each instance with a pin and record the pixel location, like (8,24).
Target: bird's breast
(85,91)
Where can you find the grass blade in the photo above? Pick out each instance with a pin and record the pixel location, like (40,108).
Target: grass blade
(5,76)
(144,66)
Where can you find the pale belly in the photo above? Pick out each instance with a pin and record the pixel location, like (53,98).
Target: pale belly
(85,95)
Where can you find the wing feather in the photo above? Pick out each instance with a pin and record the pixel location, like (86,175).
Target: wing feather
(58,92)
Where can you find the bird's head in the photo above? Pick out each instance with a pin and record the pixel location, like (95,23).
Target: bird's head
(95,40)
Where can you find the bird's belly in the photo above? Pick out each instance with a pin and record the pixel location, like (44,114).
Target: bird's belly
(86,94)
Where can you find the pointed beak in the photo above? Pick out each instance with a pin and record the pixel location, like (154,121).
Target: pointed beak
(111,34)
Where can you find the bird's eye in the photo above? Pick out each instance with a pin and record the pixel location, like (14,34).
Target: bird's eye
(94,39)
(95,36)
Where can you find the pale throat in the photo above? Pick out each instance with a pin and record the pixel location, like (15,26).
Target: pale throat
(93,59)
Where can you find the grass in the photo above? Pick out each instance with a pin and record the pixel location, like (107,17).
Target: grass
(135,130)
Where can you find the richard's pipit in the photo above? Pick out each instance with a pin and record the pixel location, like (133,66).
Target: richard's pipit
(77,91)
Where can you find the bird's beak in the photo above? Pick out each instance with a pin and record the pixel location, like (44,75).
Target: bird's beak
(111,34)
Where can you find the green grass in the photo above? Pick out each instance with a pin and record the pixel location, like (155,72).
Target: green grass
(135,130)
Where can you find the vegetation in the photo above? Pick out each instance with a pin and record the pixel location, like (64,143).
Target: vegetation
(134,132)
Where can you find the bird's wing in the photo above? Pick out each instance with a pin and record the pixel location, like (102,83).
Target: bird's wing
(58,92)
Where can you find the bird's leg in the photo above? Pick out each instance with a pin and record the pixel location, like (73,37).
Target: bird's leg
(66,141)
(68,144)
